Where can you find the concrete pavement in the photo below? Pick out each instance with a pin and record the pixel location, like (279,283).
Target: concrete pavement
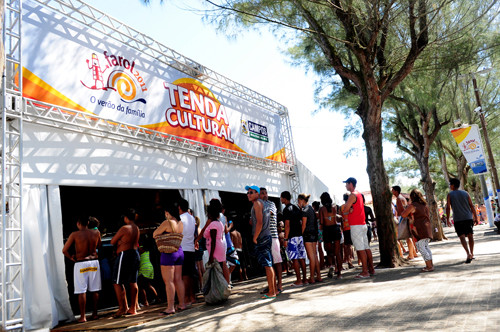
(455,297)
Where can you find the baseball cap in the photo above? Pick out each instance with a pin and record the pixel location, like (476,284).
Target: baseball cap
(351,180)
(257,189)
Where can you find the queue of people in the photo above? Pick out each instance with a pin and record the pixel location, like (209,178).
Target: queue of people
(281,243)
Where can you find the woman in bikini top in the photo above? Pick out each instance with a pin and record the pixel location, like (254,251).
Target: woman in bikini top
(328,218)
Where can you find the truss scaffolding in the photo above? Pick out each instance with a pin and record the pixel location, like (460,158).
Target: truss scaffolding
(11,256)
(16,110)
(81,122)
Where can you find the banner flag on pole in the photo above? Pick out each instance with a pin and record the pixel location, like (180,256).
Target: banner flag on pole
(469,141)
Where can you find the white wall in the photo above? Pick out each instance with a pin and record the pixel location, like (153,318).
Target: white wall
(310,184)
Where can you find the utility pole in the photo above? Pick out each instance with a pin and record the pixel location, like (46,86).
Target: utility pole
(491,158)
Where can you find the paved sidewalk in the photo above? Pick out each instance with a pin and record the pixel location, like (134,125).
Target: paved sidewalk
(455,297)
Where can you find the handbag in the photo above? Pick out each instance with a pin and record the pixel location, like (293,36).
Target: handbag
(403,229)
(168,243)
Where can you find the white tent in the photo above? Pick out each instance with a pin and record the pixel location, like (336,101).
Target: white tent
(67,138)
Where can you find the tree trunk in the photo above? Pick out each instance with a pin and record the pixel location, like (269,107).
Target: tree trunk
(442,160)
(379,182)
(429,186)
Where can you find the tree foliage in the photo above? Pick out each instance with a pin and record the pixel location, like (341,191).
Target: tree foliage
(358,48)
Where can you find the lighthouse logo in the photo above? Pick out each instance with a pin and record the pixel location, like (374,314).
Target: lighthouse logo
(116,73)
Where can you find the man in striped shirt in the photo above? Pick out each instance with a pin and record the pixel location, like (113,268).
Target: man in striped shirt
(273,228)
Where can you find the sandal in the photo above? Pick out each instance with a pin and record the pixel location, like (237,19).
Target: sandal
(167,313)
(179,309)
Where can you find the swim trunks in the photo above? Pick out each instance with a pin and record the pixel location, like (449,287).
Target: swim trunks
(263,251)
(347,237)
(295,248)
(359,237)
(276,252)
(87,276)
(126,267)
(463,227)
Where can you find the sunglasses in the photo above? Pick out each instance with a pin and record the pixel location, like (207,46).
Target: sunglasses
(251,192)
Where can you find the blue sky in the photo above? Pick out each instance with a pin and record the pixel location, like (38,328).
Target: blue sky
(256,60)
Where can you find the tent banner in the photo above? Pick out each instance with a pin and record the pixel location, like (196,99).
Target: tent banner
(72,65)
(469,141)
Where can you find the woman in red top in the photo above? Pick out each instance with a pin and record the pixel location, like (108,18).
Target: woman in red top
(421,226)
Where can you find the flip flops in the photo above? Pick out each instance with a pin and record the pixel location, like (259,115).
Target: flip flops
(267,297)
(295,285)
(167,313)
(179,309)
(359,276)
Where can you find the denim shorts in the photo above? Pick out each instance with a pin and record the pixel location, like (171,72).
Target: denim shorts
(262,251)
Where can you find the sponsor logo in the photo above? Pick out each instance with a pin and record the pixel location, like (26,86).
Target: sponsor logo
(254,130)
(118,75)
(470,145)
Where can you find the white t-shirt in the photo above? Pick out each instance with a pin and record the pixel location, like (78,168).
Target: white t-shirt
(189,223)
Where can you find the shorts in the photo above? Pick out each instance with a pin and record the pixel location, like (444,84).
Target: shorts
(241,258)
(320,235)
(263,251)
(198,255)
(331,233)
(295,248)
(188,266)
(347,238)
(275,250)
(310,237)
(126,267)
(232,257)
(87,276)
(144,282)
(359,237)
(464,227)
(173,259)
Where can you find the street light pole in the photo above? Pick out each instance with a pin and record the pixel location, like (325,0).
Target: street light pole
(486,139)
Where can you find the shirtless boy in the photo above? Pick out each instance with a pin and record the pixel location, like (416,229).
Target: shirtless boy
(87,274)
(238,245)
(126,267)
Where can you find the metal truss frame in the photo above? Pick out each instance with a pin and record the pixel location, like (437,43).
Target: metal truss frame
(16,110)
(85,123)
(12,246)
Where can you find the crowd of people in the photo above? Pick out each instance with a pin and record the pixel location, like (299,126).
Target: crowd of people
(324,233)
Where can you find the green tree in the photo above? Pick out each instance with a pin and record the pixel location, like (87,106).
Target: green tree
(424,103)
(365,48)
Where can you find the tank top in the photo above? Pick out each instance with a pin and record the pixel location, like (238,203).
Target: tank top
(264,232)
(357,216)
(459,200)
